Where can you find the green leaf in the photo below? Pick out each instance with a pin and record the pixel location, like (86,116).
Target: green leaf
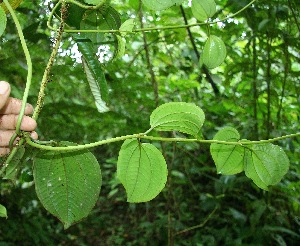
(13,167)
(266,164)
(126,27)
(3,21)
(3,212)
(178,116)
(67,183)
(142,170)
(93,2)
(161,4)
(228,158)
(95,79)
(75,15)
(202,10)
(104,18)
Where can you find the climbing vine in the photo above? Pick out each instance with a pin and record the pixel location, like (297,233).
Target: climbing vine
(67,176)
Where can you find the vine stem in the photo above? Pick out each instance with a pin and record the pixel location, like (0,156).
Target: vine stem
(149,28)
(29,68)
(50,63)
(143,136)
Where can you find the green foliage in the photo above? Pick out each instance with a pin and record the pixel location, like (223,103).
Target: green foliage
(67,183)
(142,170)
(265,164)
(258,95)
(161,5)
(13,167)
(96,78)
(202,10)
(228,158)
(178,116)
(3,212)
(3,21)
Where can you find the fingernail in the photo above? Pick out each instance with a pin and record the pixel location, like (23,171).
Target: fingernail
(4,87)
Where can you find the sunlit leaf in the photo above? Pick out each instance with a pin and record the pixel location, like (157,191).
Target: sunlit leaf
(178,116)
(3,212)
(266,164)
(67,183)
(202,10)
(95,78)
(3,21)
(161,4)
(93,2)
(126,27)
(142,170)
(228,158)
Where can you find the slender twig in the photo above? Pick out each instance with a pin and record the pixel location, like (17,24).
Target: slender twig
(197,226)
(29,66)
(254,85)
(51,60)
(168,27)
(143,136)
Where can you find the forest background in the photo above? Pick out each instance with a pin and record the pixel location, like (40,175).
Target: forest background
(256,90)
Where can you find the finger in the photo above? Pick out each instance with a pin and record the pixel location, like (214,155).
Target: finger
(34,135)
(5,136)
(9,122)
(4,93)
(4,151)
(13,106)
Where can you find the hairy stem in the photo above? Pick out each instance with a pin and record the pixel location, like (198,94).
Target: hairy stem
(51,60)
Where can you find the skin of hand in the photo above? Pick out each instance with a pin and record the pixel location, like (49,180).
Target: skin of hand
(9,111)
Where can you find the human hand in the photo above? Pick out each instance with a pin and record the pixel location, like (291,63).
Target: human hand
(9,110)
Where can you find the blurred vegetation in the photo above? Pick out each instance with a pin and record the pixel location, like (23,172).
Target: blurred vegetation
(258,92)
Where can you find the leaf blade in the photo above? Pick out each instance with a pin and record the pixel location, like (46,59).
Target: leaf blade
(97,84)
(266,164)
(67,183)
(228,158)
(178,116)
(161,5)
(3,21)
(142,170)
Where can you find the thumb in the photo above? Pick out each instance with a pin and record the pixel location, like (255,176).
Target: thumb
(4,93)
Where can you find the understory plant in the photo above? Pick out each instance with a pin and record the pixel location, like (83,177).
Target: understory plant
(67,176)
